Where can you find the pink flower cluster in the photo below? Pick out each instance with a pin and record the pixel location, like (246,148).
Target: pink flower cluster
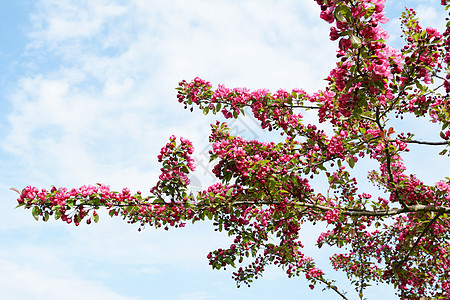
(177,160)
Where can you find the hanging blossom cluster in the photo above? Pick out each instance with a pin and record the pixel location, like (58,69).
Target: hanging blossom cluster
(267,191)
(176,161)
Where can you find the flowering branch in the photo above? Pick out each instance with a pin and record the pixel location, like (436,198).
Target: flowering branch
(266,191)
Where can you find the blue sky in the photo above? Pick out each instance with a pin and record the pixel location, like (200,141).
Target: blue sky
(87,95)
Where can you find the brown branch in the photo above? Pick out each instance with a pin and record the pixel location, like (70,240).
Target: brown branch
(388,166)
(386,152)
(345,211)
(427,227)
(302,106)
(368,118)
(422,142)
(332,287)
(362,212)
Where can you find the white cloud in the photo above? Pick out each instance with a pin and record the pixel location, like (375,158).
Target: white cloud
(57,21)
(19,281)
(120,95)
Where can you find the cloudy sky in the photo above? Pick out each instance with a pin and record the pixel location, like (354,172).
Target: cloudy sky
(88,95)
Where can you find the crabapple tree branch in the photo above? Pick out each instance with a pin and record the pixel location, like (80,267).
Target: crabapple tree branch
(267,191)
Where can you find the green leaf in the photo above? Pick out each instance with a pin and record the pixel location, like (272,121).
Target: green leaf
(367,113)
(346,11)
(339,16)
(156,201)
(294,95)
(369,12)
(228,260)
(322,167)
(350,161)
(419,85)
(46,216)
(22,204)
(379,85)
(356,41)
(35,212)
(342,14)
(96,217)
(357,112)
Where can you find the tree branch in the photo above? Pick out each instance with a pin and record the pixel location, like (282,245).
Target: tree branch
(332,287)
(422,142)
(427,227)
(363,212)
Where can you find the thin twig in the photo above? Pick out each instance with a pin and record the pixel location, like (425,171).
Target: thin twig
(332,287)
